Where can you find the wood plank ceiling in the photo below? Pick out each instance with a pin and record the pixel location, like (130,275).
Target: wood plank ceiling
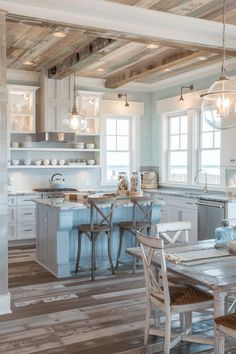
(119,60)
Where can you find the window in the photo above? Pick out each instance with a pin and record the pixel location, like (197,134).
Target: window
(189,144)
(177,148)
(209,152)
(118,145)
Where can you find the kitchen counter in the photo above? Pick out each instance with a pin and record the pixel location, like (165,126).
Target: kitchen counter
(194,194)
(56,235)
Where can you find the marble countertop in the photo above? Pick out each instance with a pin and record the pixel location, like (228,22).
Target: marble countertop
(194,194)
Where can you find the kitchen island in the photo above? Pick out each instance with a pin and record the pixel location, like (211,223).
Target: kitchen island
(56,235)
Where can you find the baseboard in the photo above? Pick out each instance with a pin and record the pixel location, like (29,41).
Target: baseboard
(5,303)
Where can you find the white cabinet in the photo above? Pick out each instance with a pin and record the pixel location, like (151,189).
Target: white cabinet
(21,217)
(182,209)
(55,100)
(21,108)
(228,147)
(163,208)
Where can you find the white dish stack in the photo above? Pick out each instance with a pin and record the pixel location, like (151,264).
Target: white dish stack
(149,180)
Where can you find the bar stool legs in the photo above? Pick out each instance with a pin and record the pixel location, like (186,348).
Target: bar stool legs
(109,251)
(78,252)
(121,234)
(93,239)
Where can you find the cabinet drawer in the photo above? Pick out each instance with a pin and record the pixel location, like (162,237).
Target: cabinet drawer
(25,214)
(11,232)
(11,215)
(26,199)
(11,200)
(25,231)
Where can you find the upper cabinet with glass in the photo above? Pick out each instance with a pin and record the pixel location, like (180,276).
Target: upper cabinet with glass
(89,105)
(21,108)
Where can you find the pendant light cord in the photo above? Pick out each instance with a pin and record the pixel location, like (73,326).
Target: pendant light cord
(223,70)
(74,81)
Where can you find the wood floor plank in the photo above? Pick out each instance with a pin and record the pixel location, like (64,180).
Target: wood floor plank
(77,316)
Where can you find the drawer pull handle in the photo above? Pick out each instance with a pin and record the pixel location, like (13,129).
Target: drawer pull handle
(28,230)
(28,214)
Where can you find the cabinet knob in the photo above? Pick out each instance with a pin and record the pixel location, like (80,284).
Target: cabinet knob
(232,160)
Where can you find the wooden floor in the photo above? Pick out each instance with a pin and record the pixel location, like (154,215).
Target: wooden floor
(75,315)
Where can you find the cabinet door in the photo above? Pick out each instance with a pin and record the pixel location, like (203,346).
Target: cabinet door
(192,216)
(228,147)
(21,108)
(173,213)
(163,208)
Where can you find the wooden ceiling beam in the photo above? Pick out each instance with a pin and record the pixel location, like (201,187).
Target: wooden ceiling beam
(133,21)
(158,64)
(91,51)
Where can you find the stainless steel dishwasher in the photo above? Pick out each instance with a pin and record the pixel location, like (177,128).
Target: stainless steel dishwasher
(210,214)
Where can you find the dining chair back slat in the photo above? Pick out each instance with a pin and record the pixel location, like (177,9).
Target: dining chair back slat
(171,231)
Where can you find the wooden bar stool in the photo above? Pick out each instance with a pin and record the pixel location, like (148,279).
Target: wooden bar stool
(101,211)
(142,221)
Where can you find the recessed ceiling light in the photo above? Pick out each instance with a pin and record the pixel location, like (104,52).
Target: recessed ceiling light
(202,57)
(152,46)
(59,34)
(101,70)
(28,63)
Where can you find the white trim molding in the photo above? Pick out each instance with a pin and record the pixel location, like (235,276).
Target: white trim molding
(116,107)
(5,303)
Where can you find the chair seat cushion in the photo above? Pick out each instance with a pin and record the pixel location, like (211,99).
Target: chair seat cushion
(185,295)
(227,321)
(96,228)
(130,225)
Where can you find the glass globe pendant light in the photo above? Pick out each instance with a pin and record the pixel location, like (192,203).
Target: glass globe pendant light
(219,103)
(74,121)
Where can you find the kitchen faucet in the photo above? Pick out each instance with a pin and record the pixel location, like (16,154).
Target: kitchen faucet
(196,176)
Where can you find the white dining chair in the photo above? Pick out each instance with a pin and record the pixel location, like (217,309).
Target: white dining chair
(168,299)
(225,326)
(171,232)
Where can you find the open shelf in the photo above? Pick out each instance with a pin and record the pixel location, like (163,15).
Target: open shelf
(51,166)
(54,149)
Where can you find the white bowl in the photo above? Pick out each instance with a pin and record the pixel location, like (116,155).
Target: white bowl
(61,162)
(27,162)
(46,162)
(53,162)
(37,162)
(90,162)
(90,146)
(79,145)
(15,162)
(26,144)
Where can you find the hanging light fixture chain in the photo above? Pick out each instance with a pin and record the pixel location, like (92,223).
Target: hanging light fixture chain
(74,80)
(223,70)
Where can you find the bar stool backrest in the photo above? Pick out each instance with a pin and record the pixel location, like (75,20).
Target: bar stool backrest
(101,211)
(171,231)
(155,289)
(142,209)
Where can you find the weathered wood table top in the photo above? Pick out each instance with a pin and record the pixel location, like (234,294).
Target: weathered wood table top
(214,273)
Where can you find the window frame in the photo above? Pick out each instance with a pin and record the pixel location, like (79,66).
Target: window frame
(200,149)
(165,151)
(193,147)
(134,145)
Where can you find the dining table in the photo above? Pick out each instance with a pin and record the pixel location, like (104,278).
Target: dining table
(200,264)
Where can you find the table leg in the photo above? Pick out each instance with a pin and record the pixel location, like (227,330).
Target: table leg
(219,308)
(219,303)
